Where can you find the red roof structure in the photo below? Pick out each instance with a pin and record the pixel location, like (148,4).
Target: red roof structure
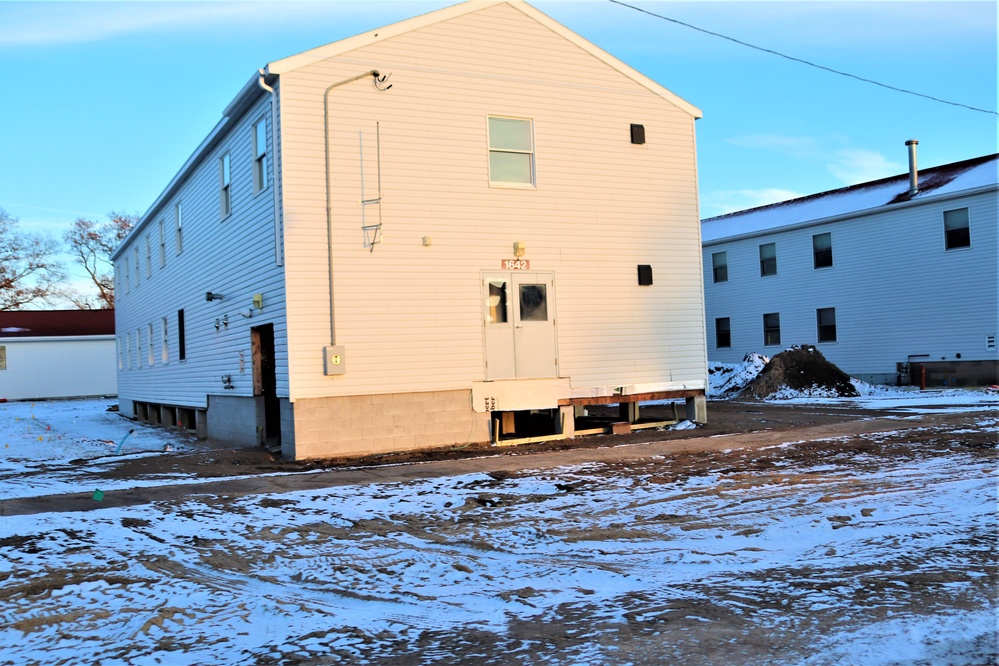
(55,323)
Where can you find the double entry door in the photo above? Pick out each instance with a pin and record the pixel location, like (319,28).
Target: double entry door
(519,319)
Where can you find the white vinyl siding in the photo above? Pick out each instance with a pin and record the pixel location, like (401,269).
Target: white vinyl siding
(602,207)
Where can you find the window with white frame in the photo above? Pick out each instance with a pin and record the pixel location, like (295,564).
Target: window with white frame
(719,266)
(128,275)
(178,228)
(768,259)
(225,184)
(138,347)
(149,258)
(771,329)
(165,346)
(957,229)
(128,350)
(162,243)
(121,352)
(511,151)
(260,156)
(825,324)
(822,256)
(151,340)
(138,270)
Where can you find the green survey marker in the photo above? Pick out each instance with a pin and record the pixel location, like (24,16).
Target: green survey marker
(98,495)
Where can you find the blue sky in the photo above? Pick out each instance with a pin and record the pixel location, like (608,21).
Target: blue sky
(104,101)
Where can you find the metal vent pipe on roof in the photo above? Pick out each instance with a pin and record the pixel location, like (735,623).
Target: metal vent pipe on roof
(913,171)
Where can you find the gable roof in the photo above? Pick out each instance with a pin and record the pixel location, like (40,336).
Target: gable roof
(56,323)
(365,39)
(874,196)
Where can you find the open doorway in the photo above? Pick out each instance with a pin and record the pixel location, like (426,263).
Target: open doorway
(265,385)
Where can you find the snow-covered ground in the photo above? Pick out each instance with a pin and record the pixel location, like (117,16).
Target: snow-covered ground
(883,552)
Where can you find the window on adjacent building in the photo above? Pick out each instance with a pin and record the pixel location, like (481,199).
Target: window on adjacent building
(151,357)
(771,328)
(511,151)
(719,266)
(225,182)
(162,244)
(825,323)
(165,345)
(957,230)
(121,352)
(822,250)
(149,258)
(259,156)
(181,347)
(178,228)
(768,259)
(723,333)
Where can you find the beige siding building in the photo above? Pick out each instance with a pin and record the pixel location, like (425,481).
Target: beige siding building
(477,213)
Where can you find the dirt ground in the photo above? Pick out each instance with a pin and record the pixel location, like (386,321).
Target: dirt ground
(724,418)
(774,534)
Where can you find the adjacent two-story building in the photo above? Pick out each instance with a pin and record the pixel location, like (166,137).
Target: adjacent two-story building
(888,279)
(401,239)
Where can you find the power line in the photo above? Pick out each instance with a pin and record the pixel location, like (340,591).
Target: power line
(804,62)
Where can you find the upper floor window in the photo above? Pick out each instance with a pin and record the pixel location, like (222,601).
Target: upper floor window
(825,322)
(135,256)
(149,258)
(957,230)
(259,156)
(511,151)
(151,340)
(822,250)
(768,259)
(178,228)
(128,276)
(165,347)
(225,182)
(723,333)
(719,266)
(771,328)
(162,243)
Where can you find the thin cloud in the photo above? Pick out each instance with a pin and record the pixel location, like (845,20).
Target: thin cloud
(730,201)
(799,147)
(853,166)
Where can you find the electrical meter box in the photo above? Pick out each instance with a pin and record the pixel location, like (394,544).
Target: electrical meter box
(333,360)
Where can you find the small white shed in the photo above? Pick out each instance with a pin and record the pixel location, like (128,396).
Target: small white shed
(57,354)
(402,239)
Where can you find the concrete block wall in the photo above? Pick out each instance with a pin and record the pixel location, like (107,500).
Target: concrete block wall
(233,419)
(369,424)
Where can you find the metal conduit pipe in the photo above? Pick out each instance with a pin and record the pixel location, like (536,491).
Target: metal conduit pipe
(329,196)
(278,255)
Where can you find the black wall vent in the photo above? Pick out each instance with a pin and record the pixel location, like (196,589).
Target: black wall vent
(637,133)
(644,275)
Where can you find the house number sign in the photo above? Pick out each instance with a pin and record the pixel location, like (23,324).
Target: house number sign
(515,264)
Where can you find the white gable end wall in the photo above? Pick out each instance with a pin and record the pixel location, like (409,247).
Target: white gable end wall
(410,316)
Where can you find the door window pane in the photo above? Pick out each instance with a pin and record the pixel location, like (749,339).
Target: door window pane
(533,302)
(496,303)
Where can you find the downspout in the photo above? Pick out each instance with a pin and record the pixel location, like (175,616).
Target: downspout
(278,254)
(329,196)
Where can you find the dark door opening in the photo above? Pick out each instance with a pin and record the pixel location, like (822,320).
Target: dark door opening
(265,384)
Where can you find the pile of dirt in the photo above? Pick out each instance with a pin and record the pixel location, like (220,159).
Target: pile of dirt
(802,369)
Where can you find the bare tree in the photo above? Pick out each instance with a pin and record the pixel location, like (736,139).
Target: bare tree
(92,245)
(29,273)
